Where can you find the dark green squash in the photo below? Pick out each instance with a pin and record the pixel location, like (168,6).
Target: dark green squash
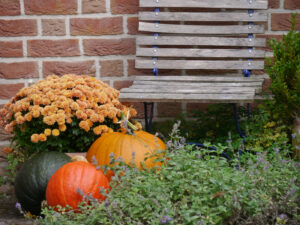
(32,179)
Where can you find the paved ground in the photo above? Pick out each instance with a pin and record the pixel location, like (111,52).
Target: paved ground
(9,215)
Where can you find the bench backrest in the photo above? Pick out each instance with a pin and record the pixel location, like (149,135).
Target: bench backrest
(201,34)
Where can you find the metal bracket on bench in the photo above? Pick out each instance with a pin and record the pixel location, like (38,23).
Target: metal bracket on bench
(155,47)
(247,72)
(148,121)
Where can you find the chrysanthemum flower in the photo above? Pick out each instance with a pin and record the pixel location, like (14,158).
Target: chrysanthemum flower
(35,113)
(94,117)
(42,137)
(101,118)
(69,120)
(20,120)
(28,117)
(74,106)
(62,128)
(9,128)
(35,138)
(49,120)
(97,130)
(55,132)
(47,132)
(18,114)
(84,125)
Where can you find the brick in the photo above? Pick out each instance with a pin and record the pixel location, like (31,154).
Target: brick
(132,71)
(139,107)
(268,38)
(61,68)
(11,49)
(101,47)
(266,85)
(51,48)
(93,6)
(9,7)
(4,136)
(132,25)
(111,68)
(53,27)
(168,109)
(15,28)
(281,21)
(192,107)
(274,4)
(119,84)
(8,91)
(50,7)
(292,4)
(105,81)
(104,26)
(124,6)
(19,70)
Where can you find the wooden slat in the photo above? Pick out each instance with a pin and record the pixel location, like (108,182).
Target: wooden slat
(191,90)
(213,79)
(229,4)
(171,84)
(210,53)
(199,29)
(200,41)
(203,17)
(200,98)
(198,64)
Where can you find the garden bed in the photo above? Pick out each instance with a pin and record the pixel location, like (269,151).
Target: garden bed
(8,212)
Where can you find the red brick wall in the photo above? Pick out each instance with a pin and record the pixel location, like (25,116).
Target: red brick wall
(95,37)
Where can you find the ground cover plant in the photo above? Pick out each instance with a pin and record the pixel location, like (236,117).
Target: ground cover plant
(198,187)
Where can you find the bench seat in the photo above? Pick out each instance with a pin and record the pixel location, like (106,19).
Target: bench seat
(198,89)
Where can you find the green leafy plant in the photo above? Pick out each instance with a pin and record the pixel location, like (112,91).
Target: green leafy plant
(265,134)
(217,125)
(284,71)
(196,187)
(212,125)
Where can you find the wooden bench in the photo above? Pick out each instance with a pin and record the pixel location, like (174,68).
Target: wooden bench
(204,35)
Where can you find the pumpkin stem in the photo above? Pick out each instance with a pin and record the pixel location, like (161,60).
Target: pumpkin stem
(77,158)
(125,123)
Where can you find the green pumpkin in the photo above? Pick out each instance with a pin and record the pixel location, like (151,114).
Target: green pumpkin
(32,179)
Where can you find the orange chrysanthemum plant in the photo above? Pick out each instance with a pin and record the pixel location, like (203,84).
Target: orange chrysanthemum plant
(64,114)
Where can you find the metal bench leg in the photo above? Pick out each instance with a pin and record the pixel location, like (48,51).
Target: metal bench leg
(148,121)
(237,124)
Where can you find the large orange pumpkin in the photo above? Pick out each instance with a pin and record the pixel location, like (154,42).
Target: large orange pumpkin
(135,146)
(68,183)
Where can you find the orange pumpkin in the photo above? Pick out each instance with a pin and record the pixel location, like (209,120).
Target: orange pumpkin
(129,147)
(68,183)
